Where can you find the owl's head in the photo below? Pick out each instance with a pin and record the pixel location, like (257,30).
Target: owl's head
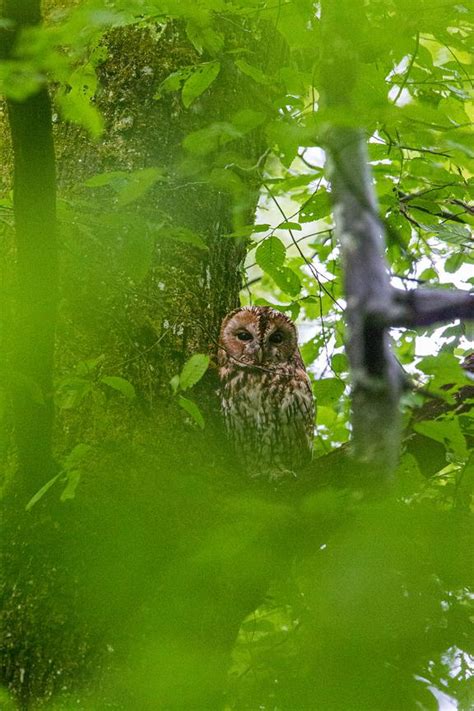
(258,335)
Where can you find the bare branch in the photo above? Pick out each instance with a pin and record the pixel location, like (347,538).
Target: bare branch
(426,307)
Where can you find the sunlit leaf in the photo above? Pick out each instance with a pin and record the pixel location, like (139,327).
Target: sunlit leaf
(286,279)
(270,254)
(289,226)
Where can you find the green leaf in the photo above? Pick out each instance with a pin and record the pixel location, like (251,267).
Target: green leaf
(76,108)
(454,262)
(137,184)
(445,368)
(328,390)
(289,226)
(199,81)
(454,234)
(193,370)
(204,37)
(248,119)
(339,363)
(270,257)
(120,384)
(429,274)
(249,230)
(317,207)
(113,177)
(69,491)
(286,280)
(76,456)
(71,391)
(88,366)
(39,494)
(183,234)
(209,139)
(128,186)
(326,416)
(75,102)
(287,136)
(253,72)
(174,382)
(445,430)
(173,82)
(270,254)
(192,409)
(311,349)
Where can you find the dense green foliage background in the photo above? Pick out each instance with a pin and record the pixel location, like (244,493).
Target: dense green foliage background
(145,571)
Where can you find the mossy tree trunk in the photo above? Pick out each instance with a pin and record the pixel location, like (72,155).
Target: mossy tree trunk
(188,290)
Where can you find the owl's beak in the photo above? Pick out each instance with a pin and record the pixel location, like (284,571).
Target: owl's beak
(259,355)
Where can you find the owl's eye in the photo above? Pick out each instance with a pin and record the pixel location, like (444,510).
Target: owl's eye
(276,337)
(244,336)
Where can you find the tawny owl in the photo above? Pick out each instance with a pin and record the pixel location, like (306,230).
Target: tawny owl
(266,394)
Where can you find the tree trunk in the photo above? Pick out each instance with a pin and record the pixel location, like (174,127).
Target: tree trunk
(34,186)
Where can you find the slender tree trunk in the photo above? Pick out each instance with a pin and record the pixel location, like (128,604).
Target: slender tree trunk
(37,269)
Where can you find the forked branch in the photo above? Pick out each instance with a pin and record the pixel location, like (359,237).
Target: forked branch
(373,304)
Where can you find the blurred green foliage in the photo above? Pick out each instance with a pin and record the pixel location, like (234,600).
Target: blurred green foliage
(147,574)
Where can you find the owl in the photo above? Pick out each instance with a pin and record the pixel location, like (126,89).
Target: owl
(266,395)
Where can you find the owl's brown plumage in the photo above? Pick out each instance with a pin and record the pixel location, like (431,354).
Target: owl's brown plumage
(266,394)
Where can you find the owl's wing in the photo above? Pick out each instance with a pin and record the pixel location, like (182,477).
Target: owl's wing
(304,420)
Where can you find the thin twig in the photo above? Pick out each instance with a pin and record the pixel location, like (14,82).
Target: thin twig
(409,68)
